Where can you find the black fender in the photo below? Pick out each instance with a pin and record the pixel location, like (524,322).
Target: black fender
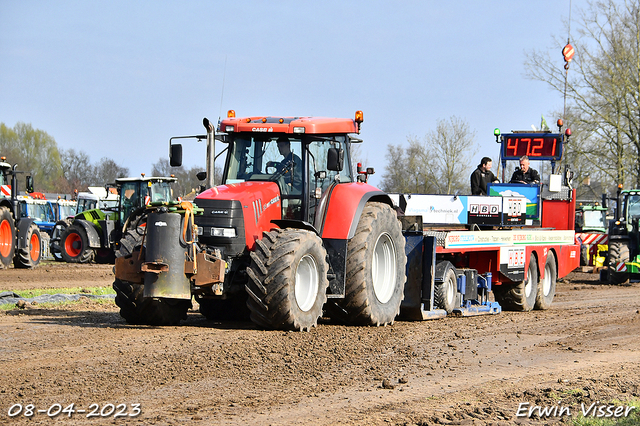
(92,233)
(23,227)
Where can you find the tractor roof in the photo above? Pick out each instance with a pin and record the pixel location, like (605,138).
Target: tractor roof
(293,125)
(147,179)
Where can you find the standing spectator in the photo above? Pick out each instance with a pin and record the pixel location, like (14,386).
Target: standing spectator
(481,177)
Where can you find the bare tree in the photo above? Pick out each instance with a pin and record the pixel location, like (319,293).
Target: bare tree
(439,163)
(107,171)
(602,88)
(76,171)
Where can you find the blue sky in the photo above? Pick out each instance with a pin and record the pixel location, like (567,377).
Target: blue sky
(117,79)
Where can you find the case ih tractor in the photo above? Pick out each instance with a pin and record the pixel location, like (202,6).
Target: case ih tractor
(292,231)
(20,239)
(94,234)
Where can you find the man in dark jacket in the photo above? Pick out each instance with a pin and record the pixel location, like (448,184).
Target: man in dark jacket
(481,177)
(525,174)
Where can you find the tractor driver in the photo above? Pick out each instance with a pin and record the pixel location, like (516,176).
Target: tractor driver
(293,176)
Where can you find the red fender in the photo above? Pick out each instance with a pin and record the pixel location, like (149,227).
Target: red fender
(345,205)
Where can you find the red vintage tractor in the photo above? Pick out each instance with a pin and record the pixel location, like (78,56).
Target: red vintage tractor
(291,233)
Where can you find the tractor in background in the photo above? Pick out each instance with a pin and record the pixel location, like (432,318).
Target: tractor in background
(591,233)
(96,197)
(95,233)
(623,257)
(20,239)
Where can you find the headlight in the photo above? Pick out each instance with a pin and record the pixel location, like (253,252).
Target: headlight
(223,232)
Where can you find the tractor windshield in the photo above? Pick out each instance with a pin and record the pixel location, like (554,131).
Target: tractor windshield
(66,211)
(267,158)
(160,191)
(633,207)
(595,219)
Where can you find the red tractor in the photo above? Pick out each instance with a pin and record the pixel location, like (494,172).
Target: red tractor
(291,232)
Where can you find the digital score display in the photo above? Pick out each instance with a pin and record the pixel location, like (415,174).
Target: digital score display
(537,146)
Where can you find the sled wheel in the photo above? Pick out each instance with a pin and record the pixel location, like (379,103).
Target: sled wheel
(547,285)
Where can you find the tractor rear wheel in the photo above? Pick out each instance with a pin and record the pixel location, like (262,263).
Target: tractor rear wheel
(55,244)
(375,273)
(521,296)
(7,237)
(618,253)
(29,257)
(134,307)
(288,281)
(547,285)
(74,245)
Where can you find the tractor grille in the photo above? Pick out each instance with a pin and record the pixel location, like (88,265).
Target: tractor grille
(226,214)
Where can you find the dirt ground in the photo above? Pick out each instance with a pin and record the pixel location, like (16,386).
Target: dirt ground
(459,371)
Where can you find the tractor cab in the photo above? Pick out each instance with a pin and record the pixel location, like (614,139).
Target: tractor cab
(135,193)
(303,166)
(591,218)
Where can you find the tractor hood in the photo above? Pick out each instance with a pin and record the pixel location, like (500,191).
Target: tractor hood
(259,202)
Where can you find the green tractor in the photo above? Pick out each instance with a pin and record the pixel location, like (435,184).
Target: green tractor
(591,230)
(623,258)
(96,233)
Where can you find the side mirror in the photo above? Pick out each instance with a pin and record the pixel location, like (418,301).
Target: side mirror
(201,175)
(175,155)
(335,159)
(29,184)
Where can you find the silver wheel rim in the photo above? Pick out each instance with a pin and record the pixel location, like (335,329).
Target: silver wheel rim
(383,268)
(527,285)
(306,287)
(546,282)
(450,291)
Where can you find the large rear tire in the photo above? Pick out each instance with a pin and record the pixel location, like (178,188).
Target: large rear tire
(287,280)
(29,256)
(7,237)
(134,307)
(74,245)
(618,253)
(521,296)
(547,285)
(375,273)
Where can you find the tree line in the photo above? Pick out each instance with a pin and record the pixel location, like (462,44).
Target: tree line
(63,171)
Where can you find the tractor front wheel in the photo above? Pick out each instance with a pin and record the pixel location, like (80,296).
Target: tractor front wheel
(288,281)
(29,256)
(7,237)
(618,254)
(74,245)
(375,273)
